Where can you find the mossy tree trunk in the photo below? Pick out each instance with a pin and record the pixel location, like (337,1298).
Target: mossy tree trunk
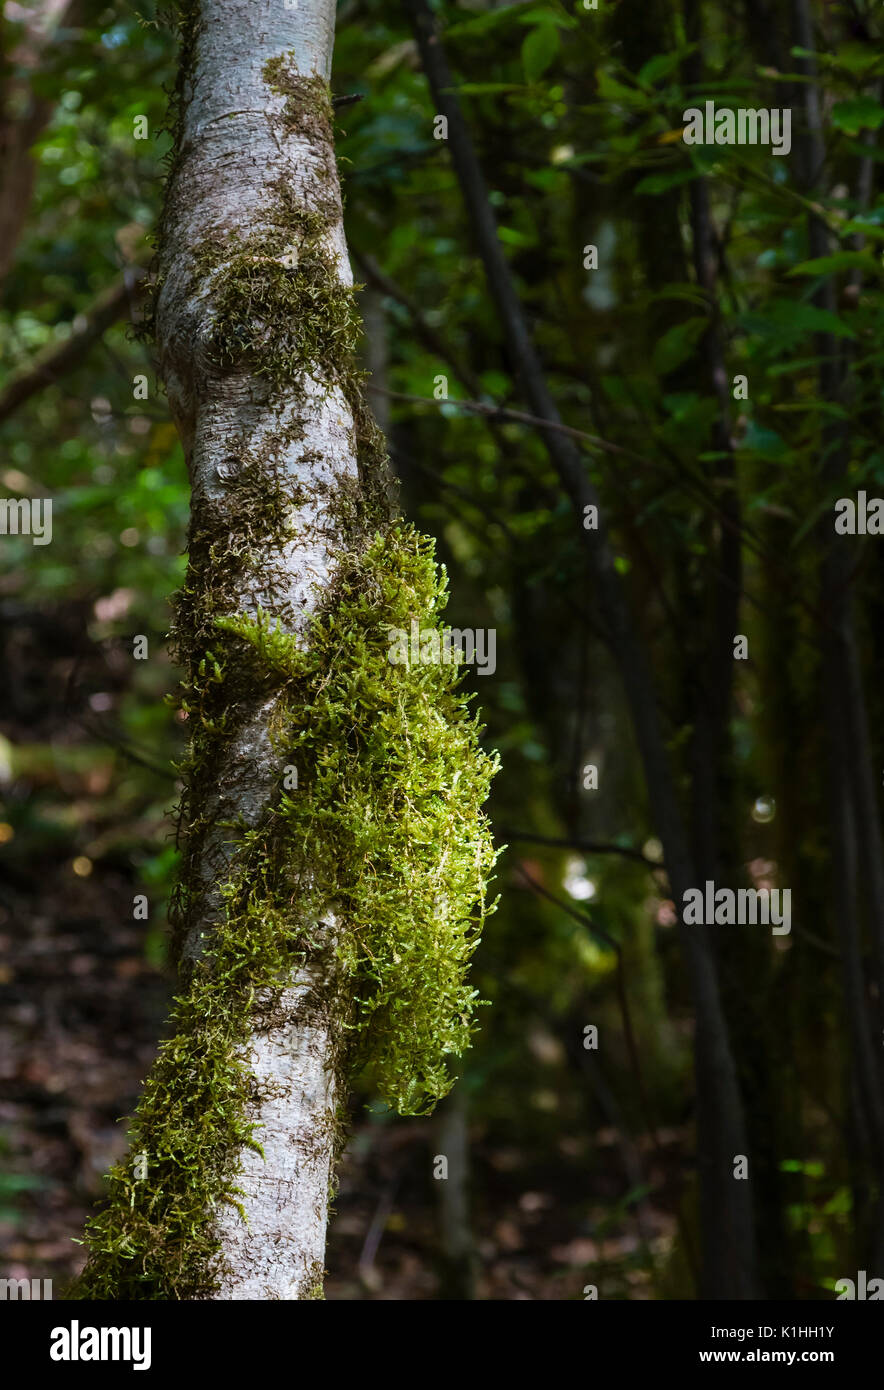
(334,849)
(252,236)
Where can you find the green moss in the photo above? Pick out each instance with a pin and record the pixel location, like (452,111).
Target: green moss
(387,825)
(278,306)
(308,109)
(387,817)
(315,1283)
(235,542)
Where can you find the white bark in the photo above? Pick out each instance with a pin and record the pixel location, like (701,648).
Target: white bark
(235,144)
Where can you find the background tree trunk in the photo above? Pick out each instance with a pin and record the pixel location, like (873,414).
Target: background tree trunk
(23,114)
(730,1256)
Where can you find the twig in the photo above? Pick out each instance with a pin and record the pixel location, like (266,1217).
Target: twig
(585,846)
(55,361)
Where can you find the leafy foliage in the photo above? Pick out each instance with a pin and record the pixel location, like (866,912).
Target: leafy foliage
(589,150)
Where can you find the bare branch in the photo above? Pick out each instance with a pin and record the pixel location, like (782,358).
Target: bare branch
(50,365)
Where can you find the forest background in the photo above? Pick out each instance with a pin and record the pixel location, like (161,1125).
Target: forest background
(654,279)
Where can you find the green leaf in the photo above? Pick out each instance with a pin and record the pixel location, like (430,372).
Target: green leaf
(854,57)
(483,89)
(678,343)
(858,57)
(491,19)
(856,114)
(865,225)
(511,236)
(760,440)
(810,1167)
(527,13)
(610,89)
(539,48)
(660,183)
(661,65)
(785,322)
(683,293)
(841,260)
(854,145)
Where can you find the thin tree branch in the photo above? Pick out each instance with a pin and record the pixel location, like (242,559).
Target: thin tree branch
(679,475)
(424,330)
(55,361)
(521,417)
(584,846)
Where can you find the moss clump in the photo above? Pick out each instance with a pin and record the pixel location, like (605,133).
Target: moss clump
(386,825)
(387,820)
(278,305)
(308,109)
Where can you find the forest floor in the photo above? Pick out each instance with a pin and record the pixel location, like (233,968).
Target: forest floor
(82,1012)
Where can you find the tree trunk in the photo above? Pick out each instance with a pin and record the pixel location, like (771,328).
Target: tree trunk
(23,114)
(854,812)
(730,1257)
(334,850)
(255,164)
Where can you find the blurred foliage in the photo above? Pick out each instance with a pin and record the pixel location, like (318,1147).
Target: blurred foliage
(577,117)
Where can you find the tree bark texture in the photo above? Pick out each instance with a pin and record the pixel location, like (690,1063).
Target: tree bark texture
(236,147)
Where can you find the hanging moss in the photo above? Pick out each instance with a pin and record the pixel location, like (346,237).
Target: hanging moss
(387,818)
(387,824)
